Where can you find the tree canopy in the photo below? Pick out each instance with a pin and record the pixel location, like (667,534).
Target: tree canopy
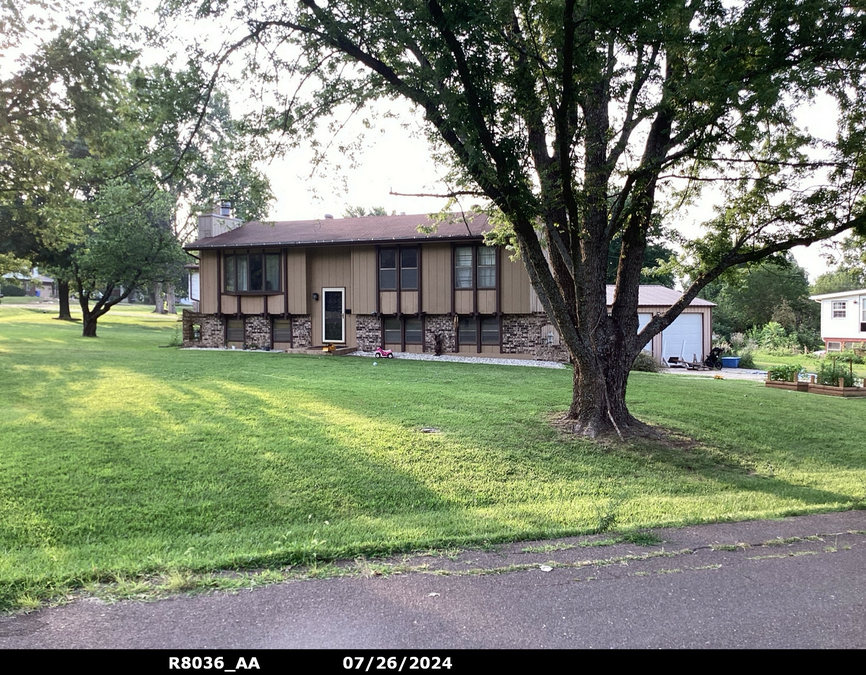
(579,121)
(102,155)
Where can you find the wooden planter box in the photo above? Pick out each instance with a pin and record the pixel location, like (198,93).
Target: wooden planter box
(847,392)
(790,386)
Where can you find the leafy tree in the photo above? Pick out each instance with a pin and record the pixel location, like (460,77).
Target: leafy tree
(579,120)
(48,109)
(841,279)
(129,244)
(362,212)
(754,297)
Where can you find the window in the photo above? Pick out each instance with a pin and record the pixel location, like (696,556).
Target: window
(235,330)
(838,308)
(409,269)
(466,330)
(484,265)
(468,327)
(490,330)
(408,259)
(282,330)
(252,272)
(392,330)
(400,330)
(463,267)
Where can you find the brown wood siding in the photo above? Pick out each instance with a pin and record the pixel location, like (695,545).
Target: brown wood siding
(388,302)
(409,302)
(330,268)
(363,291)
(299,296)
(436,278)
(276,303)
(252,304)
(515,285)
(463,301)
(209,284)
(486,302)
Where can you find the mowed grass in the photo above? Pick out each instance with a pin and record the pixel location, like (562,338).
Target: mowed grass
(120,459)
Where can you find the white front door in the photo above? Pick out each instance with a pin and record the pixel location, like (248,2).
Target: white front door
(334,315)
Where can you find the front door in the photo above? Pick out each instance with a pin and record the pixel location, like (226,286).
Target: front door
(334,315)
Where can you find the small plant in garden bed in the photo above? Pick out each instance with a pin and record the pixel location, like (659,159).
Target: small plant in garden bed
(830,372)
(785,373)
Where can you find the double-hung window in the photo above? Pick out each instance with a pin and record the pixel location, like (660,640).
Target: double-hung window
(475,267)
(399,330)
(252,272)
(468,328)
(402,261)
(838,309)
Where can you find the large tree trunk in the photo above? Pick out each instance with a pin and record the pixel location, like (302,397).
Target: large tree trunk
(63,293)
(169,298)
(89,329)
(157,297)
(598,405)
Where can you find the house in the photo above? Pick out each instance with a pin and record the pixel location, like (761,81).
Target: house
(379,281)
(843,319)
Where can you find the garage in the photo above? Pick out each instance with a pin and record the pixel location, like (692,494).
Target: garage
(684,338)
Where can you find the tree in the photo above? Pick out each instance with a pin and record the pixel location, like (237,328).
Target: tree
(48,110)
(579,120)
(129,244)
(768,292)
(362,212)
(841,279)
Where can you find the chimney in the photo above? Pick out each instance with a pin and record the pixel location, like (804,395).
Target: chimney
(217,222)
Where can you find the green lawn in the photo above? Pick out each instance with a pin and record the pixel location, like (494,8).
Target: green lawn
(120,459)
(763,361)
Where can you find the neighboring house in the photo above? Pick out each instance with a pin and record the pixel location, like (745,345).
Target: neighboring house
(378,281)
(843,319)
(34,284)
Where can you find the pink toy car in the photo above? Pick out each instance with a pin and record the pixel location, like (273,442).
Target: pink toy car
(384,353)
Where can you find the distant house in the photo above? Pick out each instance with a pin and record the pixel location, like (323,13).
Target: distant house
(34,284)
(377,281)
(843,319)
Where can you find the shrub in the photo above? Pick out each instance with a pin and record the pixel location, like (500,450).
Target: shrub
(11,290)
(785,373)
(645,363)
(747,359)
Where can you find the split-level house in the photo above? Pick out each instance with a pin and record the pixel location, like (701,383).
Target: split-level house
(391,281)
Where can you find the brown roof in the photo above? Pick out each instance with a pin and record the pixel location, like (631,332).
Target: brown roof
(661,296)
(370,229)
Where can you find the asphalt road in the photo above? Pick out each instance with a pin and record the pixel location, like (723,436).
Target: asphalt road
(792,583)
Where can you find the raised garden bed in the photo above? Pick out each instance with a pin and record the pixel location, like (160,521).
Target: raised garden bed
(791,386)
(813,388)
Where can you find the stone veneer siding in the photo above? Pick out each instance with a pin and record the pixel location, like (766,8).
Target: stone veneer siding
(445,326)
(521,334)
(257,330)
(213,330)
(302,331)
(368,332)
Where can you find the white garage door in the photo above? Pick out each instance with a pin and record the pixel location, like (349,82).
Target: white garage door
(684,337)
(643,320)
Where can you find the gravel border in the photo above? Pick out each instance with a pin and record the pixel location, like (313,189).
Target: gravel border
(415,356)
